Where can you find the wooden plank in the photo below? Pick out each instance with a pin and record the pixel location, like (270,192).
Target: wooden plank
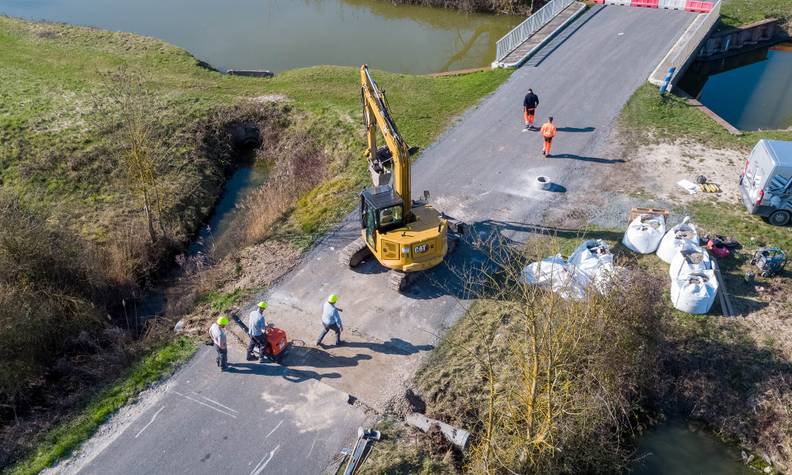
(635,212)
(723,295)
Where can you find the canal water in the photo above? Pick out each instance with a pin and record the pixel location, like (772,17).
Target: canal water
(679,449)
(751,91)
(216,238)
(285,34)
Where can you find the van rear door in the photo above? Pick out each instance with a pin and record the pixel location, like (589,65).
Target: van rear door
(755,176)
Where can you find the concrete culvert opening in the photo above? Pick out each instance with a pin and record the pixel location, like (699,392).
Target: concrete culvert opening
(245,136)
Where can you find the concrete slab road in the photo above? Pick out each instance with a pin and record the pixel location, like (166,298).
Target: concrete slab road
(292,420)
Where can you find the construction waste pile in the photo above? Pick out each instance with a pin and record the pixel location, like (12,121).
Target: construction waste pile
(693,282)
(589,267)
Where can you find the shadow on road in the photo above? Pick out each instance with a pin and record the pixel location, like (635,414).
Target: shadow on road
(556,188)
(395,346)
(289,374)
(562,37)
(576,129)
(318,358)
(588,159)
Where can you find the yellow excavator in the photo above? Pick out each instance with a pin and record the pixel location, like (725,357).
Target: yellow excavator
(404,236)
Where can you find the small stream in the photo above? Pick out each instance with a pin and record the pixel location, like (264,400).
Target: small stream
(677,448)
(214,238)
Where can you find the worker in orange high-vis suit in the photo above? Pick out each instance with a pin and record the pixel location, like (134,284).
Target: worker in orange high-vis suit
(548,131)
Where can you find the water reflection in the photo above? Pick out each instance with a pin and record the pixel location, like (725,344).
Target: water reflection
(751,91)
(679,449)
(284,34)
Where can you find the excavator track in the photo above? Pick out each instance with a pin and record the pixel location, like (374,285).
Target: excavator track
(401,281)
(354,253)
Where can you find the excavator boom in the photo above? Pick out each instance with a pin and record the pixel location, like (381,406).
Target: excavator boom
(406,238)
(376,115)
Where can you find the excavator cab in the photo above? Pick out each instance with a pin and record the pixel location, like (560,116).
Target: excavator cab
(381,209)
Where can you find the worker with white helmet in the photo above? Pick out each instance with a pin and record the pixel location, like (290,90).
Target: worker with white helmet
(217,333)
(256,331)
(331,319)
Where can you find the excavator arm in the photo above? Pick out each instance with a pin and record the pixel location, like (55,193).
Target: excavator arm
(376,115)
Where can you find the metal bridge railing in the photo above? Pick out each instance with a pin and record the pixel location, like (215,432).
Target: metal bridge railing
(531,25)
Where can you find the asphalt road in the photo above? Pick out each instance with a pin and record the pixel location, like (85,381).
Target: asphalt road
(294,419)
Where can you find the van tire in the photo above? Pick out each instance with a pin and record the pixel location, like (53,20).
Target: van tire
(780,218)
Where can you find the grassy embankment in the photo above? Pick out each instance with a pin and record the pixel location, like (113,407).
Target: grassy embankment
(60,441)
(65,137)
(512,7)
(742,12)
(543,385)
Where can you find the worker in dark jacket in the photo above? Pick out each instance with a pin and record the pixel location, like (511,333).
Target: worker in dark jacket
(530,103)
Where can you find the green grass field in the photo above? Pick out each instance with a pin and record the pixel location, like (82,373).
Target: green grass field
(54,151)
(652,117)
(58,152)
(742,12)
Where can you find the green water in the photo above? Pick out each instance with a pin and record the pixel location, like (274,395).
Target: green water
(675,448)
(285,34)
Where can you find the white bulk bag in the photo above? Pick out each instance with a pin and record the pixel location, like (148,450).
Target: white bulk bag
(594,260)
(553,273)
(545,272)
(694,293)
(689,259)
(644,233)
(675,239)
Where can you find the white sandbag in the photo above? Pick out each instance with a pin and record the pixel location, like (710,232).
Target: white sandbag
(694,293)
(691,258)
(644,233)
(544,272)
(676,238)
(552,273)
(594,260)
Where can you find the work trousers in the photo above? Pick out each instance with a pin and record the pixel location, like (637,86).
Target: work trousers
(222,357)
(548,144)
(261,342)
(327,328)
(529,116)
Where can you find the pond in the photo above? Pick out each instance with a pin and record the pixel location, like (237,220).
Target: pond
(751,91)
(678,448)
(285,34)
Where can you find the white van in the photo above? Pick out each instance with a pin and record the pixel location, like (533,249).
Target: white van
(766,181)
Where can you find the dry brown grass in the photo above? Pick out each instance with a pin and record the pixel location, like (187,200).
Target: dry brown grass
(297,166)
(490,6)
(543,384)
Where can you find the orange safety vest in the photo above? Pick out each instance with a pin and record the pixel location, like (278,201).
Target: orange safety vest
(548,130)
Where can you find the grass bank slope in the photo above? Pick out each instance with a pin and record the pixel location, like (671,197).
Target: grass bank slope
(544,385)
(73,103)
